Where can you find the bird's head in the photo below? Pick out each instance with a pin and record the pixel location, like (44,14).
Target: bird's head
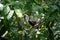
(26,17)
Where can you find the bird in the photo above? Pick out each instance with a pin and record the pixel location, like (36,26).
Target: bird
(31,22)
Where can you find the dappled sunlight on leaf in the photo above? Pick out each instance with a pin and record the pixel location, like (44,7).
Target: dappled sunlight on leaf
(1,7)
(19,12)
(10,14)
(6,9)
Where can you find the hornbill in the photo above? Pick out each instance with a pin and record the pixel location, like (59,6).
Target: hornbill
(34,24)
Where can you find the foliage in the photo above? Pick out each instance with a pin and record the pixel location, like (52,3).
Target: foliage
(12,20)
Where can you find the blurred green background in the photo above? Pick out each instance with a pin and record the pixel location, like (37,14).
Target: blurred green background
(12,20)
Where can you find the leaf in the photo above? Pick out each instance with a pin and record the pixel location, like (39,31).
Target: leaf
(20,32)
(10,14)
(18,13)
(14,31)
(6,9)
(1,7)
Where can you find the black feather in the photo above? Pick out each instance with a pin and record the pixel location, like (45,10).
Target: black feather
(33,23)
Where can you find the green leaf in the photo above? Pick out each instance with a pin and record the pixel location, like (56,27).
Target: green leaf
(1,7)
(6,9)
(18,12)
(10,14)
(20,32)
